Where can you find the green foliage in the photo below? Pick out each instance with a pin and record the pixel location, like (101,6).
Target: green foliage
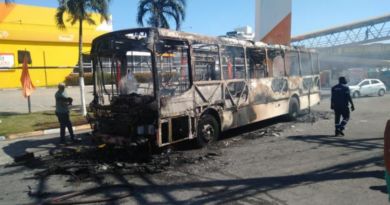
(143,77)
(79,11)
(73,79)
(157,12)
(13,123)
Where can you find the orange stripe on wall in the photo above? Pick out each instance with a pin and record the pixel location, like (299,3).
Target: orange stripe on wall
(281,33)
(5,10)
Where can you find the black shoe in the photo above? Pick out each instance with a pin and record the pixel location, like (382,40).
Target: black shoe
(62,142)
(337,133)
(341,132)
(76,140)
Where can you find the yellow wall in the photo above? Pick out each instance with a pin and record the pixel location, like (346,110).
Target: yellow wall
(60,59)
(33,29)
(33,23)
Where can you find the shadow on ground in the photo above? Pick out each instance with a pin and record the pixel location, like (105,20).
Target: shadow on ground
(358,144)
(207,190)
(6,114)
(20,147)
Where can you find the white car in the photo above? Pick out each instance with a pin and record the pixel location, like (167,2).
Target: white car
(368,87)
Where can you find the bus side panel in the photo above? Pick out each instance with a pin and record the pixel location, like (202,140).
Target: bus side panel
(270,110)
(254,113)
(208,94)
(302,86)
(268,97)
(265,90)
(304,100)
(177,105)
(175,121)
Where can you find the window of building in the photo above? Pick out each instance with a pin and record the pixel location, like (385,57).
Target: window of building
(22,54)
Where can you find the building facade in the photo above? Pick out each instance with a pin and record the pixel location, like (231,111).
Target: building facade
(52,53)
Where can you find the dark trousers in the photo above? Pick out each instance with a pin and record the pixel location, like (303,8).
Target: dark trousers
(338,114)
(64,120)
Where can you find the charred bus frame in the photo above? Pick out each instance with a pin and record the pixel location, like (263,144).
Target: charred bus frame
(193,86)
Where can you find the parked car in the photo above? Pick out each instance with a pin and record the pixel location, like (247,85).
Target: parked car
(367,87)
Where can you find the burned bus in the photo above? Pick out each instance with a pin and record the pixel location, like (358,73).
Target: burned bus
(162,86)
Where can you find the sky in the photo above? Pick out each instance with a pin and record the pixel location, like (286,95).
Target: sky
(216,17)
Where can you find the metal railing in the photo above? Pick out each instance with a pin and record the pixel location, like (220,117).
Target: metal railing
(368,31)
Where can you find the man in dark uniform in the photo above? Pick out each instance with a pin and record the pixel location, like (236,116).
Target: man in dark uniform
(339,103)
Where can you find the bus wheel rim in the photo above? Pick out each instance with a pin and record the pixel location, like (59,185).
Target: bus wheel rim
(208,132)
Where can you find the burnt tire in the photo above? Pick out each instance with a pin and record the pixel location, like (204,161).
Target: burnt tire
(355,94)
(294,109)
(207,130)
(381,92)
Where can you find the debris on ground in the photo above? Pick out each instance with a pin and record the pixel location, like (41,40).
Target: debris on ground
(97,164)
(86,163)
(314,116)
(24,157)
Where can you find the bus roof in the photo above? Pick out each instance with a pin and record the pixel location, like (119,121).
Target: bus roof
(193,38)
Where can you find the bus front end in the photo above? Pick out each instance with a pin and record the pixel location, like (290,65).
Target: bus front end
(124,110)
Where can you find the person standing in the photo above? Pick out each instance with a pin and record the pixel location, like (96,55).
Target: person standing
(62,111)
(340,99)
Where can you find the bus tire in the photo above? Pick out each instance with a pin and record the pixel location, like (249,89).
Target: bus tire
(294,109)
(207,130)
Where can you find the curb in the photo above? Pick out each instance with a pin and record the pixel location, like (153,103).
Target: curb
(84,127)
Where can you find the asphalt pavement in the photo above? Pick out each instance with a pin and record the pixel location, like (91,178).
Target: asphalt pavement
(270,163)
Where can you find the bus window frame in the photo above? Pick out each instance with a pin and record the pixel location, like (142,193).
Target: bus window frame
(248,59)
(222,63)
(192,62)
(268,61)
(317,63)
(300,63)
(156,73)
(289,51)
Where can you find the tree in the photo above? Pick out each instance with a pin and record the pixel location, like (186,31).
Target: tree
(78,12)
(8,2)
(157,12)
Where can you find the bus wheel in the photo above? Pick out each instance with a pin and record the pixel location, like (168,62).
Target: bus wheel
(207,131)
(293,109)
